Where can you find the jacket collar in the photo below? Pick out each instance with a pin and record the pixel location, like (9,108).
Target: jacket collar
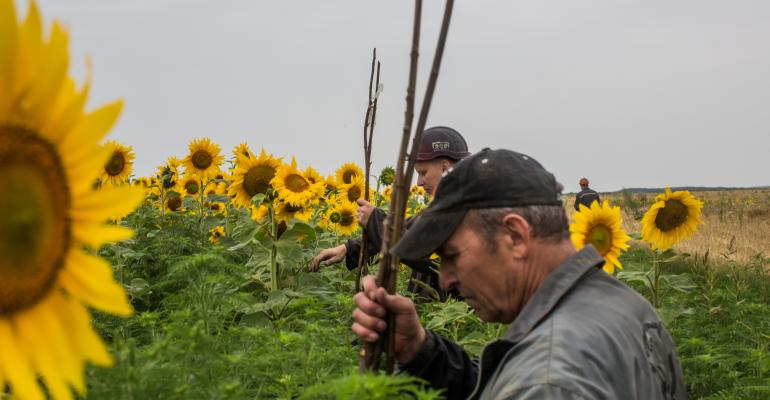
(552,290)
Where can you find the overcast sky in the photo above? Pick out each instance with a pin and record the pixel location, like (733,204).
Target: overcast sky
(640,93)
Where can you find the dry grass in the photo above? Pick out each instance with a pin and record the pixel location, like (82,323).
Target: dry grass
(740,214)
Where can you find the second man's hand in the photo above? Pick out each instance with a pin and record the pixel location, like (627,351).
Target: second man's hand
(328,257)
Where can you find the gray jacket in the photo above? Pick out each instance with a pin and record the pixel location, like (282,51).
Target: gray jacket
(583,335)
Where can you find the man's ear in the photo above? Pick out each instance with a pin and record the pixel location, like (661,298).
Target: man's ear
(518,234)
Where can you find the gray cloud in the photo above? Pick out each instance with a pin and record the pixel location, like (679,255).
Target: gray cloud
(628,93)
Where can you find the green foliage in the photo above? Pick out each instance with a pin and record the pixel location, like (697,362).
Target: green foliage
(207,325)
(370,386)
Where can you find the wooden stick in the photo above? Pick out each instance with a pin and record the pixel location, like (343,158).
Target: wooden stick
(394,225)
(372,351)
(368,135)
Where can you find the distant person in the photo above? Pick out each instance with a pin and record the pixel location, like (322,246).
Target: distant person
(586,196)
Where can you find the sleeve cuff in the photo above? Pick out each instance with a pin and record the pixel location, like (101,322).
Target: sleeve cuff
(423,356)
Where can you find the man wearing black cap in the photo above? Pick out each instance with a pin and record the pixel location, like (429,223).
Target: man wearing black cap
(498,223)
(440,149)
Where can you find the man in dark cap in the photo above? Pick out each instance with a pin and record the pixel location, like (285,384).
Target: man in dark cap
(586,196)
(498,223)
(440,149)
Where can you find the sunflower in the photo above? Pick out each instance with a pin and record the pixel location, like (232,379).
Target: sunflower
(241,151)
(173,202)
(168,173)
(292,186)
(387,193)
(216,233)
(387,176)
(253,177)
(49,159)
(317,182)
(348,172)
(258,213)
(331,184)
(217,207)
(285,212)
(118,168)
(190,185)
(601,226)
(353,191)
(417,191)
(342,218)
(672,218)
(214,187)
(204,158)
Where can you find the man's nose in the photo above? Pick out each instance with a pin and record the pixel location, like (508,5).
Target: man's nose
(446,281)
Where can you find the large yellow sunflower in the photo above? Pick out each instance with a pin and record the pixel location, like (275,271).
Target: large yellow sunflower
(190,185)
(49,159)
(348,172)
(342,218)
(215,233)
(118,168)
(352,191)
(284,212)
(292,186)
(204,158)
(168,174)
(253,177)
(241,151)
(317,182)
(173,202)
(602,227)
(672,218)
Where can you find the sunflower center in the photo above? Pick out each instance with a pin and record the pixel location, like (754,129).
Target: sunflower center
(296,183)
(202,159)
(116,165)
(289,208)
(354,194)
(257,180)
(348,176)
(34,222)
(601,238)
(168,178)
(174,203)
(335,217)
(346,219)
(671,216)
(192,187)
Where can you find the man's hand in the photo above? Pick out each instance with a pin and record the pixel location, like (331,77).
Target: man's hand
(328,257)
(369,319)
(365,209)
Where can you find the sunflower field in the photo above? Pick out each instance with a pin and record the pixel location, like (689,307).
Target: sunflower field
(194,282)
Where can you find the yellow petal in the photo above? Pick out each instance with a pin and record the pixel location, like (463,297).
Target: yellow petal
(106,203)
(8,42)
(92,128)
(89,279)
(15,366)
(97,234)
(81,172)
(36,341)
(86,340)
(49,78)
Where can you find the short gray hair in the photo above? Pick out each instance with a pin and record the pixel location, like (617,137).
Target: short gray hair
(548,223)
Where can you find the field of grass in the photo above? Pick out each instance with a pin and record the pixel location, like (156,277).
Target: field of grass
(207,325)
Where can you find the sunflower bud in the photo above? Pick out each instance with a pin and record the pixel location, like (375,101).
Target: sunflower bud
(387,176)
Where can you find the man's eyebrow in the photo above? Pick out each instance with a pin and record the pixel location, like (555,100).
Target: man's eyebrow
(445,248)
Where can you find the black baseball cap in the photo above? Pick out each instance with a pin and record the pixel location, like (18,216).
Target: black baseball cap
(442,141)
(487,179)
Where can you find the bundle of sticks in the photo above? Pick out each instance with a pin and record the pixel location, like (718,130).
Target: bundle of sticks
(371,353)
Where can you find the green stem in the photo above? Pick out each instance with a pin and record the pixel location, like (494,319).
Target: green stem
(655,283)
(273,249)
